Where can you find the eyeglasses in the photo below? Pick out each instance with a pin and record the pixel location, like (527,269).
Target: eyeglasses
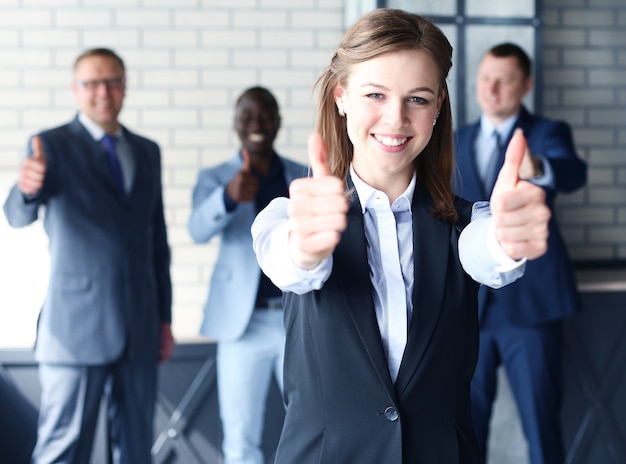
(112,83)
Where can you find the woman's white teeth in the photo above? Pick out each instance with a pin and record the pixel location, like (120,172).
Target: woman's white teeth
(256,137)
(391,141)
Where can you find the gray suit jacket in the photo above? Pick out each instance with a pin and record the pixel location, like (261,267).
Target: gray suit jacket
(236,274)
(109,287)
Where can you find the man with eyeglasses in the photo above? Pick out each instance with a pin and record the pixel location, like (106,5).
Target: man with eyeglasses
(105,321)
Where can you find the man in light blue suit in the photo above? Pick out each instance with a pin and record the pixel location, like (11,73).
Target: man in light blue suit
(244,309)
(105,322)
(520,324)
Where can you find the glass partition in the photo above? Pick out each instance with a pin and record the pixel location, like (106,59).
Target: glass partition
(426,7)
(473,26)
(499,9)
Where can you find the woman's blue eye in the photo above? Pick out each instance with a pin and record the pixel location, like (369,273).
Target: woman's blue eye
(375,95)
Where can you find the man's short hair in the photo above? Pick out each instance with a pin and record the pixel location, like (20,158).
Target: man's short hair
(262,93)
(102,52)
(507,49)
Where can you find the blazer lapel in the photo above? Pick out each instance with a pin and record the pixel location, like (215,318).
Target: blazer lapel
(94,152)
(352,267)
(469,184)
(524,121)
(142,171)
(430,255)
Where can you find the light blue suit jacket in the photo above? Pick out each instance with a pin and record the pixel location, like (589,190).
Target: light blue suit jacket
(235,279)
(109,288)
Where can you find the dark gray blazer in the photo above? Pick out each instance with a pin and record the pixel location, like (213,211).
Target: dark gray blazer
(342,406)
(109,287)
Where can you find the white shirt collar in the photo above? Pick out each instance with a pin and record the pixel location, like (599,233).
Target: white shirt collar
(504,128)
(94,129)
(367,193)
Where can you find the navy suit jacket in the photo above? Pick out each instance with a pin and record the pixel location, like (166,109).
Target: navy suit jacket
(548,289)
(342,406)
(109,288)
(235,279)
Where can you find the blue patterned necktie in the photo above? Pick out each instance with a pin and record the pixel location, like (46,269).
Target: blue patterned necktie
(109,142)
(491,172)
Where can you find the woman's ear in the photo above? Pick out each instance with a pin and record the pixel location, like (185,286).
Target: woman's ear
(338,93)
(440,99)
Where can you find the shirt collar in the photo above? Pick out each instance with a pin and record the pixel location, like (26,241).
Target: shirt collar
(504,128)
(367,193)
(94,129)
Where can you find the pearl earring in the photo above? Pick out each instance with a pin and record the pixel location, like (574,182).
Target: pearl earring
(340,111)
(436,117)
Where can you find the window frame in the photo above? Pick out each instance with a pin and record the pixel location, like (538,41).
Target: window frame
(461,21)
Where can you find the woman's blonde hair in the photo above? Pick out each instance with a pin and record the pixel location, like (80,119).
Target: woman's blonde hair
(379,32)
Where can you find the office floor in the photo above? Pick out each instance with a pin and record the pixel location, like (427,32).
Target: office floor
(507,444)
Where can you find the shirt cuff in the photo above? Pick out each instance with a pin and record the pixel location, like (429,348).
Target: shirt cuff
(285,274)
(504,262)
(547,179)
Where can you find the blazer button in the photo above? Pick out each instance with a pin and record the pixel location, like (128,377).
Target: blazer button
(391,414)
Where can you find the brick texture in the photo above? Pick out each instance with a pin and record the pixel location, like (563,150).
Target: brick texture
(587,77)
(188,60)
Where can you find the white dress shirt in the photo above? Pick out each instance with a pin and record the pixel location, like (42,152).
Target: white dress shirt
(124,154)
(389,233)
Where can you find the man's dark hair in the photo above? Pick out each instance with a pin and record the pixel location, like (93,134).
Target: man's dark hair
(263,94)
(507,49)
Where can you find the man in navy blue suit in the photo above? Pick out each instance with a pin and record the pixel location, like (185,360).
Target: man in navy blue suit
(520,323)
(105,322)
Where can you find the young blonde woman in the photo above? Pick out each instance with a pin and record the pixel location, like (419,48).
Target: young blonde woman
(380,312)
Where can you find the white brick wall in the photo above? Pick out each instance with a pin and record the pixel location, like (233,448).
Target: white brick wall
(585,84)
(189,59)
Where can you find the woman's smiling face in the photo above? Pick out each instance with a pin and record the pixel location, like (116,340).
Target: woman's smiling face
(391,103)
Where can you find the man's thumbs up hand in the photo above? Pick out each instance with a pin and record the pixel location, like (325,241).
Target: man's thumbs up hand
(317,209)
(245,156)
(33,171)
(518,207)
(244,186)
(37,147)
